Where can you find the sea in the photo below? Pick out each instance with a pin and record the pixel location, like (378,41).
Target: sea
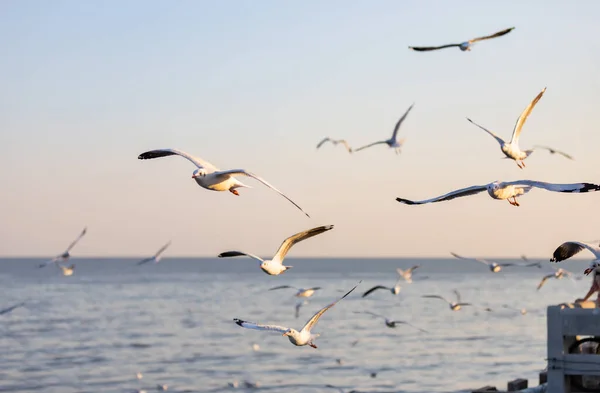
(172,322)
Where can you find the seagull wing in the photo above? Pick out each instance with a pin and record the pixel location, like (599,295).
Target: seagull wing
(457,295)
(413,268)
(572,187)
(284,248)
(397,127)
(568,249)
(9,309)
(313,321)
(496,137)
(76,240)
(146,260)
(346,144)
(242,172)
(524,115)
(552,150)
(229,254)
(506,264)
(53,260)
(541,284)
(471,259)
(200,163)
(370,313)
(256,326)
(437,297)
(323,141)
(281,287)
(428,48)
(446,197)
(487,37)
(411,325)
(371,144)
(162,249)
(374,289)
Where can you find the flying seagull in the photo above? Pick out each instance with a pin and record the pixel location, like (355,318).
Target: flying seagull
(558,274)
(64,257)
(9,309)
(568,249)
(391,323)
(335,143)
(156,257)
(394,290)
(493,266)
(275,265)
(511,149)
(308,292)
(407,274)
(210,177)
(523,311)
(537,264)
(393,141)
(463,46)
(454,306)
(298,338)
(554,151)
(67,270)
(507,190)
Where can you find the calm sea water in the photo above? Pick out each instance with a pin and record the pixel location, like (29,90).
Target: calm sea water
(172,322)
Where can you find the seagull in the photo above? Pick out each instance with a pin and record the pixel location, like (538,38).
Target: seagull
(64,257)
(463,46)
(511,150)
(523,311)
(393,141)
(568,249)
(407,274)
(537,264)
(391,323)
(67,270)
(157,256)
(454,306)
(554,151)
(9,309)
(275,265)
(394,290)
(210,177)
(335,143)
(494,266)
(298,306)
(301,291)
(507,190)
(139,375)
(558,274)
(298,338)
(160,387)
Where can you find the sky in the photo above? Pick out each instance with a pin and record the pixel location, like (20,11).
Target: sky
(88,86)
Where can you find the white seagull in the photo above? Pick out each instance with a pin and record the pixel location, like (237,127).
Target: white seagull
(298,338)
(554,151)
(508,190)
(66,270)
(210,177)
(391,323)
(275,265)
(393,141)
(568,249)
(493,266)
(156,257)
(511,149)
(454,306)
(407,274)
(558,274)
(308,292)
(463,46)
(394,290)
(335,143)
(64,257)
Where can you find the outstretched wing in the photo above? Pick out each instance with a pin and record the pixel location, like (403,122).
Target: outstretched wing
(9,309)
(541,284)
(457,295)
(256,326)
(162,249)
(428,48)
(200,163)
(436,297)
(323,141)
(397,127)
(346,145)
(446,197)
(145,260)
(51,261)
(411,325)
(412,268)
(471,259)
(229,254)
(76,240)
(242,172)
(524,115)
(572,187)
(374,289)
(552,151)
(371,144)
(298,237)
(281,287)
(568,249)
(487,37)
(313,321)
(496,137)
(370,313)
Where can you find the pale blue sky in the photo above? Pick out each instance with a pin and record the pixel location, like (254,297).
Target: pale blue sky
(87,86)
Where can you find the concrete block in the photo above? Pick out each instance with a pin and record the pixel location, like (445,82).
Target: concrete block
(517,384)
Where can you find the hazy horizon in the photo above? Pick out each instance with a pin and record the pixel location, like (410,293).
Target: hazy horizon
(89,86)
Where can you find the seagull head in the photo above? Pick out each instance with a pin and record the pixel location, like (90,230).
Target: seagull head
(290,332)
(200,172)
(465,46)
(594,265)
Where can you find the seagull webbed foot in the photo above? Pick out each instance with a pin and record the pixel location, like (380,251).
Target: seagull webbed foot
(234,191)
(312,345)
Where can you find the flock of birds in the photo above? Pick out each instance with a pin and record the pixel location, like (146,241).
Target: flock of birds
(212,178)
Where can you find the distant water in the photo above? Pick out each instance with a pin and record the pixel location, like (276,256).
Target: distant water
(172,322)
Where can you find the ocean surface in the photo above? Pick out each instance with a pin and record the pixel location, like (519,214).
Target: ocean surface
(173,322)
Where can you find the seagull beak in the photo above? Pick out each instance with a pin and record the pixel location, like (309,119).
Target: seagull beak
(587,271)
(284,334)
